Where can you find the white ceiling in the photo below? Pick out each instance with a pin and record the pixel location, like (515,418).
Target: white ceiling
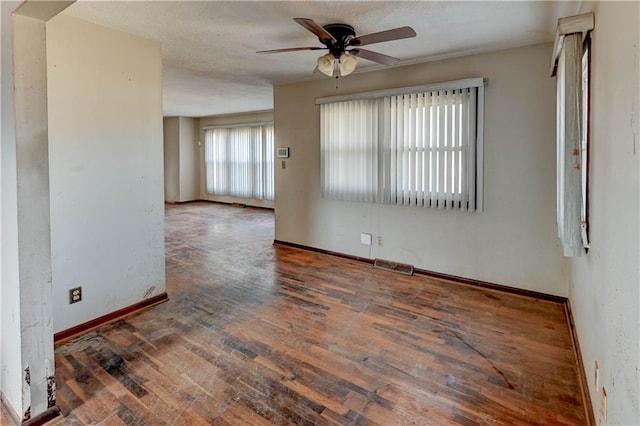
(209,62)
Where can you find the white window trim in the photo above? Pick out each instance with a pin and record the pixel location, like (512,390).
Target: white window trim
(235,125)
(445,85)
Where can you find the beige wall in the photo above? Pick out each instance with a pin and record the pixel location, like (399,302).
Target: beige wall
(181,173)
(171,134)
(604,284)
(106,168)
(512,242)
(189,170)
(223,120)
(10,315)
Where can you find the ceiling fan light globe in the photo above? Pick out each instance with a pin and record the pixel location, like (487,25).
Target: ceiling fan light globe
(326,64)
(347,64)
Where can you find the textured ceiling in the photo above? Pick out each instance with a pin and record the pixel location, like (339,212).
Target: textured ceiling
(209,62)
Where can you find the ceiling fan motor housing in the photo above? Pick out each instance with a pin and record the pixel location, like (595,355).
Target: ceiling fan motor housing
(343,34)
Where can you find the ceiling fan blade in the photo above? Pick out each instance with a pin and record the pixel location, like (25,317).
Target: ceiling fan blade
(291,49)
(388,35)
(312,26)
(374,56)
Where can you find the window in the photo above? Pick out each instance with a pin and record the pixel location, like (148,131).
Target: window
(570,66)
(239,161)
(419,147)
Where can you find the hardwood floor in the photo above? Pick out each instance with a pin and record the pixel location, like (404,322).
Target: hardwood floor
(261,334)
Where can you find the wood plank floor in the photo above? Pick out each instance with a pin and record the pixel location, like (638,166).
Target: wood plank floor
(256,334)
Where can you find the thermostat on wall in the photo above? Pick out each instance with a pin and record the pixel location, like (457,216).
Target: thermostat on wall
(282,153)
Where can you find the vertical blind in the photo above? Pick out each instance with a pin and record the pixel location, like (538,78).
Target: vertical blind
(239,161)
(415,149)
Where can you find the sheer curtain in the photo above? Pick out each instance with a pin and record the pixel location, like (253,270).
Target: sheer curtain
(239,161)
(570,66)
(569,139)
(415,149)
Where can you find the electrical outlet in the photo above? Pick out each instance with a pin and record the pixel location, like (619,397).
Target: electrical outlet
(597,375)
(75,295)
(283,164)
(379,241)
(365,239)
(603,407)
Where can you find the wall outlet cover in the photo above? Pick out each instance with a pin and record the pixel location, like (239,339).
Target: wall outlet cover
(75,295)
(365,239)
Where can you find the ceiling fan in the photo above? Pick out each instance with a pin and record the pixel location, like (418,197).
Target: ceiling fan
(344,47)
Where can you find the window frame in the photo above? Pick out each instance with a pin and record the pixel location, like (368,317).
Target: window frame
(585,150)
(266,161)
(474,195)
(572,129)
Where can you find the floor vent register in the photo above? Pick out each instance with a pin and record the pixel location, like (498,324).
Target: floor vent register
(397,267)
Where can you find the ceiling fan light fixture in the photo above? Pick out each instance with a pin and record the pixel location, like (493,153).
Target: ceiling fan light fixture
(347,64)
(339,39)
(326,64)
